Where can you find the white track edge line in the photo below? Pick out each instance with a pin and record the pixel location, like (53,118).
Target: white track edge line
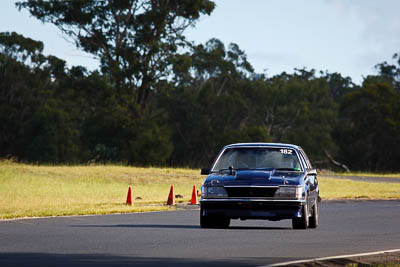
(332,258)
(83,215)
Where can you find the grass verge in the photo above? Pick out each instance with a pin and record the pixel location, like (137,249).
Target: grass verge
(35,191)
(361,174)
(331,188)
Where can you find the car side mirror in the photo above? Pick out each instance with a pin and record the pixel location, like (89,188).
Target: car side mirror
(205,171)
(312,172)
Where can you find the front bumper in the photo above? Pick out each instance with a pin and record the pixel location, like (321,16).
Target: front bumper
(247,208)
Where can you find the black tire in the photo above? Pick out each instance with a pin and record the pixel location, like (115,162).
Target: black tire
(223,222)
(213,221)
(314,219)
(302,222)
(205,221)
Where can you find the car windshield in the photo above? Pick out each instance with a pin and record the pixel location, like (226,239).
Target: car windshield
(258,158)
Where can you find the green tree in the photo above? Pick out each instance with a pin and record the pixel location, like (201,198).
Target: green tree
(49,136)
(370,127)
(390,72)
(21,80)
(133,39)
(299,109)
(338,85)
(206,104)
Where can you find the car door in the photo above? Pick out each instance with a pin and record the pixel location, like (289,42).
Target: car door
(311,180)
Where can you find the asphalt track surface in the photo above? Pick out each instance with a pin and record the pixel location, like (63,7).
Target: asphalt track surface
(175,238)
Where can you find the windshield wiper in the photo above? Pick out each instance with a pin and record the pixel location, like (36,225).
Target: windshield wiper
(287,169)
(230,169)
(220,170)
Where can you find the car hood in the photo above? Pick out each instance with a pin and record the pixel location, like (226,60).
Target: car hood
(255,177)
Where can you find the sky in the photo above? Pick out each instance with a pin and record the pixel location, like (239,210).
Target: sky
(345,36)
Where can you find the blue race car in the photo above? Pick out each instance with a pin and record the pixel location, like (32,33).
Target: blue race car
(260,181)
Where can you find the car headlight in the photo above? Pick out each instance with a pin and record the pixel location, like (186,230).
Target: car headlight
(213,192)
(289,191)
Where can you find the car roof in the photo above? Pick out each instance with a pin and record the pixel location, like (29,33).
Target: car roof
(262,145)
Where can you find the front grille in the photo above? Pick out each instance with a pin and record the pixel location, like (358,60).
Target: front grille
(250,191)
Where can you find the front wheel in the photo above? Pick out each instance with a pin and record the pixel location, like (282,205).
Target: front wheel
(213,221)
(302,222)
(314,217)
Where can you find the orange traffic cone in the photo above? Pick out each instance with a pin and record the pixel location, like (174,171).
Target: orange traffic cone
(171,199)
(194,200)
(129,200)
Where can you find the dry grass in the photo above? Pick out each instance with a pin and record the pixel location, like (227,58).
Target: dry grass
(363,174)
(331,188)
(34,191)
(31,191)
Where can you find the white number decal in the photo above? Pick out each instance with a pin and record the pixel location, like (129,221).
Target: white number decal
(286,151)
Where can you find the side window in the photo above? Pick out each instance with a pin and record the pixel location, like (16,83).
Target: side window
(303,160)
(309,165)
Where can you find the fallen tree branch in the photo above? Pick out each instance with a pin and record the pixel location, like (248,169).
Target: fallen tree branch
(320,161)
(335,162)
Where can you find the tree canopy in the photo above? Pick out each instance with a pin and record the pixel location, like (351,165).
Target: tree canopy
(134,39)
(158,99)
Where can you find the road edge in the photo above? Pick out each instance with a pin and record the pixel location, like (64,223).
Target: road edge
(332,258)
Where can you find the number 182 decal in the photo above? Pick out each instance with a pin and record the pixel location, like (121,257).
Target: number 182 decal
(286,151)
